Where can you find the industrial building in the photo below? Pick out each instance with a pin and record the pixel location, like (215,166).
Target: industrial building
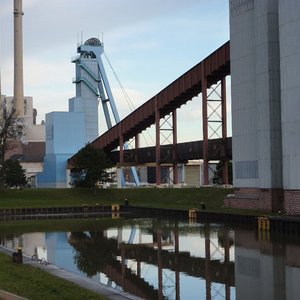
(265,59)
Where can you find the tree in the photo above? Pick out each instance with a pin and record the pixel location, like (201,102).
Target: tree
(94,251)
(14,173)
(11,130)
(218,174)
(91,165)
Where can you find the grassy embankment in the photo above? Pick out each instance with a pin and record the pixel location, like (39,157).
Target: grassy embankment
(33,283)
(178,198)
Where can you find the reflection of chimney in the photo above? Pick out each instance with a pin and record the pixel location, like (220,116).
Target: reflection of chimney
(18,65)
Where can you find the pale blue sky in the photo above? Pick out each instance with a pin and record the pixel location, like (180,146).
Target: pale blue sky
(149,43)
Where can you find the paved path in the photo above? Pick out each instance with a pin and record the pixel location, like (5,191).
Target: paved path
(96,287)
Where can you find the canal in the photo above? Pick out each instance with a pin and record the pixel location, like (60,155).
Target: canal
(165,259)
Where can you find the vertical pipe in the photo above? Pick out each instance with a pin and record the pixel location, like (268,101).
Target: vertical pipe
(157,146)
(224,129)
(18,59)
(175,165)
(205,127)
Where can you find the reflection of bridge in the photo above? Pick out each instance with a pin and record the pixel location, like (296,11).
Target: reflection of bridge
(212,271)
(132,280)
(221,272)
(205,75)
(129,281)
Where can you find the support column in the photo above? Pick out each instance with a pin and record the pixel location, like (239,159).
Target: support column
(205,128)
(175,165)
(224,129)
(157,146)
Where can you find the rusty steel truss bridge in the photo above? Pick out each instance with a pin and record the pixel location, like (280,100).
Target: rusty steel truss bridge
(207,78)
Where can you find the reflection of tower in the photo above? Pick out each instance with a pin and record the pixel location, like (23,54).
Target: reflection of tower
(18,56)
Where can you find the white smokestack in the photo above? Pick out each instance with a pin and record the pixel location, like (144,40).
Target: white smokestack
(18,56)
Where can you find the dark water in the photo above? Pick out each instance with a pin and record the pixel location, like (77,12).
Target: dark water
(161,259)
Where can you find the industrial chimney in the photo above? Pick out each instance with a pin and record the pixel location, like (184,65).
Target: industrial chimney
(18,59)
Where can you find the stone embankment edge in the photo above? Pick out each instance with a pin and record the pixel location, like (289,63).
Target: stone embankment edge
(280,223)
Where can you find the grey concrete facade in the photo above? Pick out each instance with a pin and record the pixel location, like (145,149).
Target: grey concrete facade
(86,100)
(289,28)
(265,59)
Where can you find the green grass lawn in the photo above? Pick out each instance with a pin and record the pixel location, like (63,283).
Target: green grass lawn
(33,283)
(180,198)
(177,198)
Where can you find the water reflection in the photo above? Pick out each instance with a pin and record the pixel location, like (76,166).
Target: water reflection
(156,259)
(265,269)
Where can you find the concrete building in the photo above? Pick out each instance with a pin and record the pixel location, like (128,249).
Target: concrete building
(65,135)
(264,58)
(289,30)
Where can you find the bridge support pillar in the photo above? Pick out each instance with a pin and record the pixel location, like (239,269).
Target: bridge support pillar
(214,118)
(157,145)
(205,128)
(224,129)
(175,165)
(166,130)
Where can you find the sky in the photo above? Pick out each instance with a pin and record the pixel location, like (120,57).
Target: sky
(148,43)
